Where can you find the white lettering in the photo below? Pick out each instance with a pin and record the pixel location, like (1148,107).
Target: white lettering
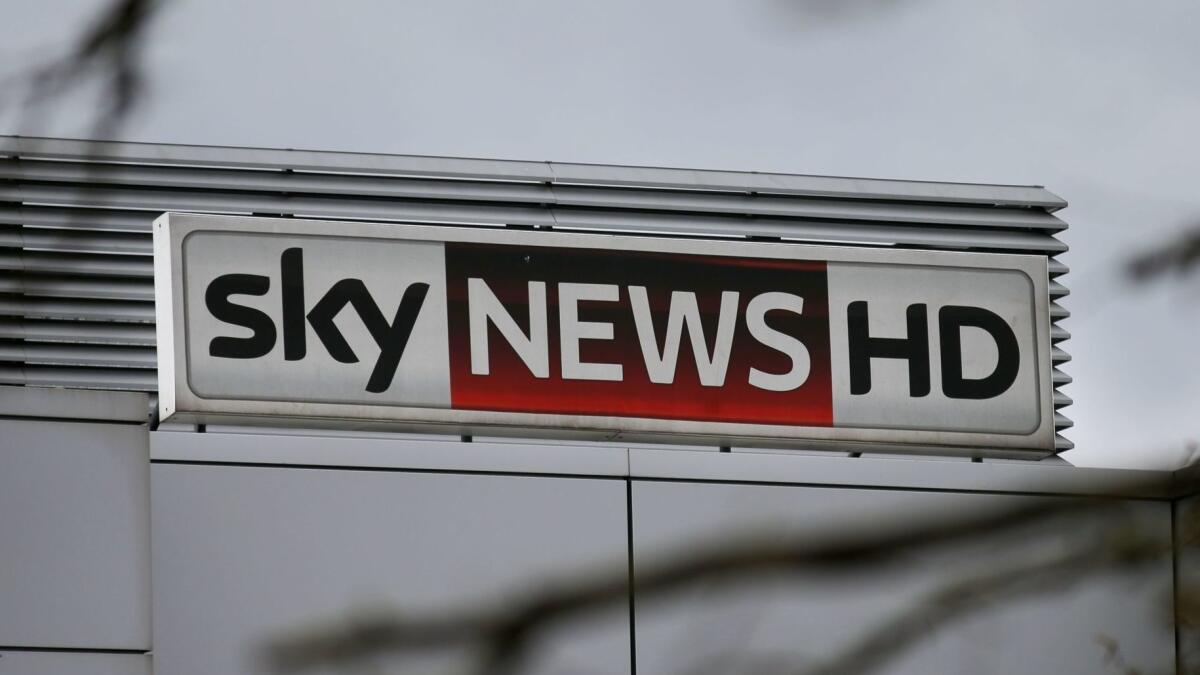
(756,321)
(684,310)
(572,330)
(484,306)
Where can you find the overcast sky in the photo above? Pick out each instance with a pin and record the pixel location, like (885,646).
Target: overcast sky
(1097,100)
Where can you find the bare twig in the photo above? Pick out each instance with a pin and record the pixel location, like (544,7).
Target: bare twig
(1177,256)
(110,49)
(1122,548)
(1113,656)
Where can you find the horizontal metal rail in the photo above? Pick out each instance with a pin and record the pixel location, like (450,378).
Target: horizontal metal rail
(544,172)
(875,233)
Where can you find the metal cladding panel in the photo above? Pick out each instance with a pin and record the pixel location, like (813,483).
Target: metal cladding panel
(842,616)
(75,219)
(75,558)
(73,663)
(243,555)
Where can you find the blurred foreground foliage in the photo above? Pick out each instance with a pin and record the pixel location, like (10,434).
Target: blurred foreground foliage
(1091,537)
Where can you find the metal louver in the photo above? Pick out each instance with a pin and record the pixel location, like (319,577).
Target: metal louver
(76,279)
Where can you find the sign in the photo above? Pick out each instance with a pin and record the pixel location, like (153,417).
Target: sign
(498,330)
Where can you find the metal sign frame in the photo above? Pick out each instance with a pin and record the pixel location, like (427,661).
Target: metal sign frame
(178,401)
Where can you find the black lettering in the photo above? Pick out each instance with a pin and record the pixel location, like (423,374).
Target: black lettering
(863,348)
(344,292)
(951,320)
(291,271)
(392,344)
(392,338)
(216,298)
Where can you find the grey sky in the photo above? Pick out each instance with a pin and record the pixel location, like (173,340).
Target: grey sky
(1097,100)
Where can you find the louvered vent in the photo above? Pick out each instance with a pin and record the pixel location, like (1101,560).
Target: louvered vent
(76,279)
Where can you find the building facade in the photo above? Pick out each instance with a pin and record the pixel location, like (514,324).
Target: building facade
(134,545)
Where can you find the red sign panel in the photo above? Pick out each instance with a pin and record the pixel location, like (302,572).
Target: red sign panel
(694,326)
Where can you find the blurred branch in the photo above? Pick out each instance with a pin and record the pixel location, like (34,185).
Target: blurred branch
(504,632)
(1177,256)
(110,49)
(1121,548)
(1113,656)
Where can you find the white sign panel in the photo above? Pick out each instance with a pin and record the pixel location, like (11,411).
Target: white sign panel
(488,330)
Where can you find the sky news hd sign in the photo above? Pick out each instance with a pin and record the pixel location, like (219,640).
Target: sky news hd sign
(503,331)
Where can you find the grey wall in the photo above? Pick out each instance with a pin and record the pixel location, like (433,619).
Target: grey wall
(73,663)
(807,618)
(244,554)
(254,535)
(265,547)
(74,535)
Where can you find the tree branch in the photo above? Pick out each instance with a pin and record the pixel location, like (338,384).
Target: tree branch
(505,632)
